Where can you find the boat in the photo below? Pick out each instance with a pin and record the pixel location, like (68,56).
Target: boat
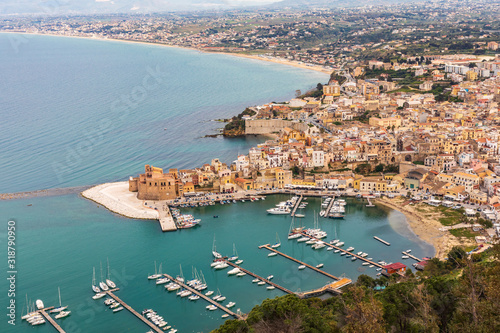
(98,295)
(222,265)
(234,271)
(278,242)
(172,287)
(109,301)
(350,248)
(155,275)
(359,253)
(60,307)
(255,280)
(230,305)
(217,296)
(329,248)
(270,277)
(339,244)
(240,274)
(209,293)
(365,263)
(319,265)
(310,242)
(118,309)
(371,266)
(363,255)
(39,304)
(302,239)
(261,283)
(225,315)
(271,288)
(379,269)
(408,251)
(353,258)
(238,262)
(336,216)
(211,307)
(162,280)
(235,254)
(110,283)
(302,266)
(278,211)
(114,305)
(216,262)
(95,288)
(272,254)
(103,284)
(337,251)
(405,257)
(222,298)
(216,254)
(342,253)
(180,277)
(185,293)
(300,215)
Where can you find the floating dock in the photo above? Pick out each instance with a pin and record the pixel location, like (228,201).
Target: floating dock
(208,299)
(259,277)
(268,247)
(135,313)
(342,250)
(411,256)
(297,204)
(50,319)
(329,208)
(382,241)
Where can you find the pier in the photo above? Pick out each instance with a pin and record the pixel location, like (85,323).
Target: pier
(259,277)
(208,299)
(135,313)
(329,208)
(382,241)
(50,319)
(369,202)
(333,288)
(166,219)
(342,250)
(297,204)
(267,247)
(411,256)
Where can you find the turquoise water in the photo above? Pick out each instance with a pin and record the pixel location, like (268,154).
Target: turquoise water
(78,111)
(63,125)
(60,239)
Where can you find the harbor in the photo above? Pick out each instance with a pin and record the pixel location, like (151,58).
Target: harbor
(50,319)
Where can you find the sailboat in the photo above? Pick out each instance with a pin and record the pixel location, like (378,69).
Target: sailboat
(294,232)
(235,254)
(155,275)
(180,277)
(95,288)
(278,242)
(103,284)
(216,254)
(62,314)
(60,307)
(110,283)
(29,313)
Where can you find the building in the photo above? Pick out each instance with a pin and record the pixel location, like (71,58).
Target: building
(385,122)
(397,267)
(331,89)
(153,184)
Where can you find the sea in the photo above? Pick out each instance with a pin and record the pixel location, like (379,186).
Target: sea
(77,112)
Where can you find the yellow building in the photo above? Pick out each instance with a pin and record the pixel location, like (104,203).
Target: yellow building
(471,76)
(331,90)
(385,122)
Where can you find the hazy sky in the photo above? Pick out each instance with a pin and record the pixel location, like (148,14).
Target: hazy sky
(57,7)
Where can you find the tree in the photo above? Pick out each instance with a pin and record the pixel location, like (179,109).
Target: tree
(298,93)
(362,312)
(379,168)
(456,256)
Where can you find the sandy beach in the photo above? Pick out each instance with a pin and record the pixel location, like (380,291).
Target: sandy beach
(426,226)
(280,61)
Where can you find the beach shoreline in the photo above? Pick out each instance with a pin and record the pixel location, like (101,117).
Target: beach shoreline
(427,229)
(315,68)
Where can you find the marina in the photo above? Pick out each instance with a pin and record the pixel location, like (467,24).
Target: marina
(329,207)
(268,247)
(131,310)
(208,299)
(50,319)
(260,277)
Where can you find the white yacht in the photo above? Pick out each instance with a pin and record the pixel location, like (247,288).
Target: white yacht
(302,267)
(230,305)
(39,304)
(110,283)
(155,275)
(234,271)
(278,211)
(60,307)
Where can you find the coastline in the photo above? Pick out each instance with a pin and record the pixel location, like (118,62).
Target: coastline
(315,68)
(427,229)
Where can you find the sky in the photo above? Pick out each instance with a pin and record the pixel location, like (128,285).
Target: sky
(62,7)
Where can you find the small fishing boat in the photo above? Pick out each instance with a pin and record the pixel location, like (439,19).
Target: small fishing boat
(225,315)
(302,267)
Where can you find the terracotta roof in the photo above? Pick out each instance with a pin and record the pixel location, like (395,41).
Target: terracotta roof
(396,265)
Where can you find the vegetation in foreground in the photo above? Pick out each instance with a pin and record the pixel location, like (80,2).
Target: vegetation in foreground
(461,294)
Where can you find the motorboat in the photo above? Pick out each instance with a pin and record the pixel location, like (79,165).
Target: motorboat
(278,211)
(98,295)
(330,248)
(261,283)
(319,265)
(240,274)
(303,239)
(39,304)
(109,301)
(353,258)
(118,309)
(162,280)
(114,305)
(270,277)
(350,248)
(271,288)
(255,280)
(339,244)
(272,254)
(230,305)
(209,293)
(238,262)
(222,265)
(405,257)
(337,251)
(173,287)
(302,267)
(211,307)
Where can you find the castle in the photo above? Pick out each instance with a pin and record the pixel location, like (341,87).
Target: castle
(156,185)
